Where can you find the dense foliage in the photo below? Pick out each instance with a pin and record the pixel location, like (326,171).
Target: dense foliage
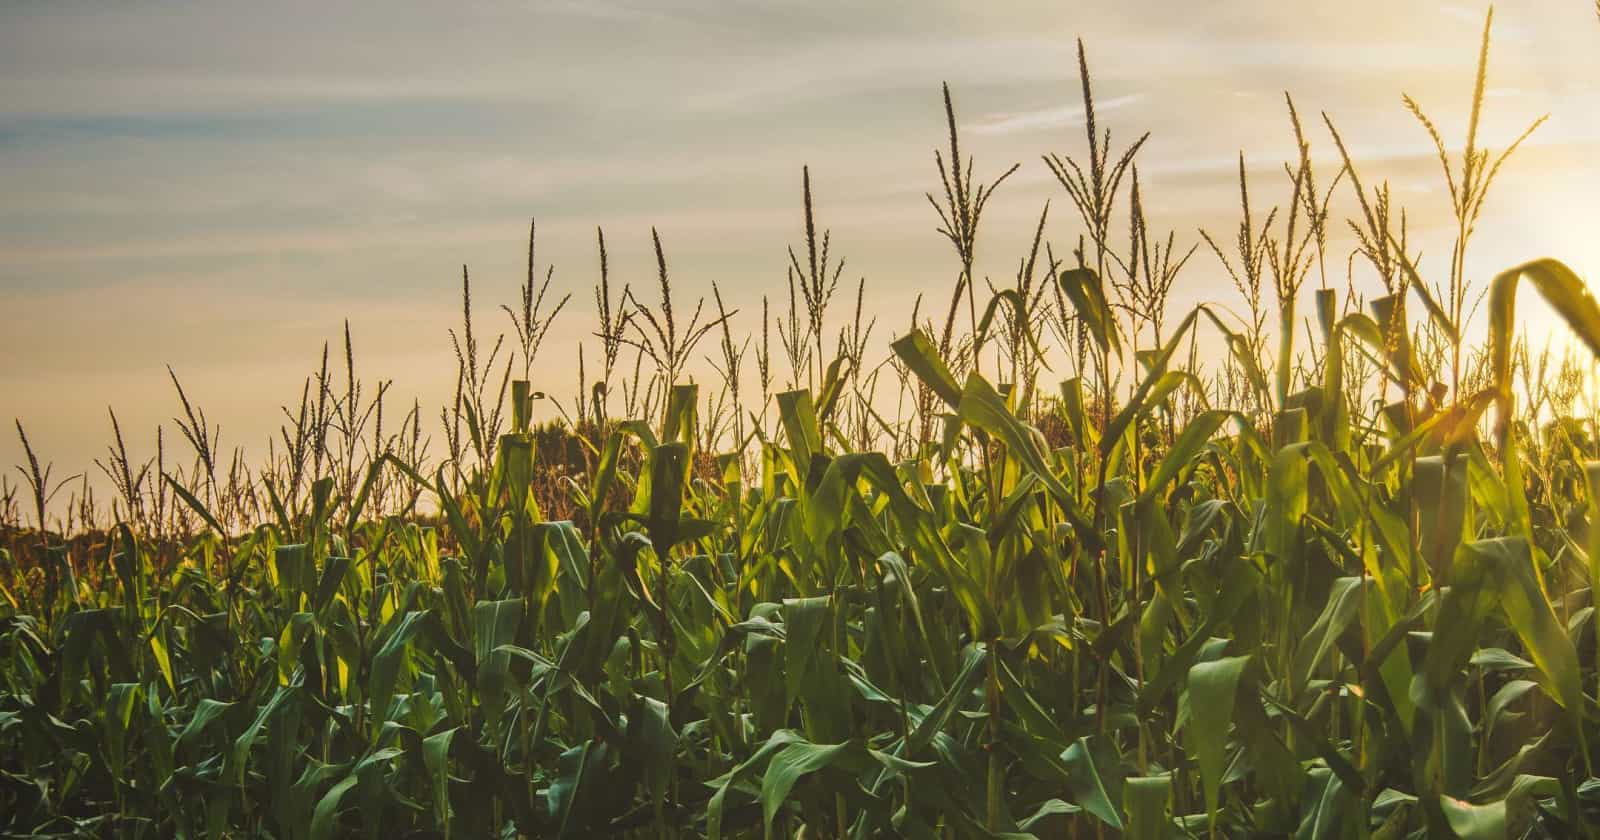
(1339,590)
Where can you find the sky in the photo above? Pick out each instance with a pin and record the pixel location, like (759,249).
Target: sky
(218,186)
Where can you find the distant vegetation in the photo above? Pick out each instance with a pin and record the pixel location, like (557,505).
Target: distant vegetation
(1045,570)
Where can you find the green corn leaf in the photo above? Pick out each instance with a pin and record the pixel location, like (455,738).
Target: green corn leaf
(833,384)
(325,820)
(1145,800)
(1475,822)
(1213,687)
(195,505)
(1084,288)
(1440,487)
(1196,434)
(1474,585)
(436,758)
(1345,600)
(1088,785)
(494,624)
(1529,613)
(922,358)
(295,634)
(682,419)
(1563,290)
(206,712)
(652,742)
(715,807)
(787,767)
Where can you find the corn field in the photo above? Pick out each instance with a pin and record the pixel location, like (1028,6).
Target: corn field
(1046,568)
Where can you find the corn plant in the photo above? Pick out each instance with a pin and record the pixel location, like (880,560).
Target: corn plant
(1336,580)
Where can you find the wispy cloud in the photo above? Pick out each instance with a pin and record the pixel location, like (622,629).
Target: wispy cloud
(1060,117)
